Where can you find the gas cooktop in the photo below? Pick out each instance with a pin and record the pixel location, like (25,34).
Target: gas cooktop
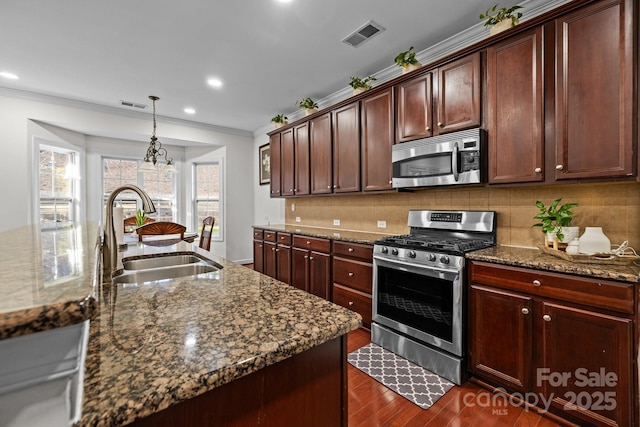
(451,245)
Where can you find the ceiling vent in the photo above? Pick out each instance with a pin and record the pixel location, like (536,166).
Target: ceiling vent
(363,34)
(133,105)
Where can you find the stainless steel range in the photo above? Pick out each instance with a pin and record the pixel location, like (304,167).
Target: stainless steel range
(419,287)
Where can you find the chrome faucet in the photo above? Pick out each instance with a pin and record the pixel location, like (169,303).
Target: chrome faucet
(110,244)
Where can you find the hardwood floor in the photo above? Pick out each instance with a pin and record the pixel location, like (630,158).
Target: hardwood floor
(373,405)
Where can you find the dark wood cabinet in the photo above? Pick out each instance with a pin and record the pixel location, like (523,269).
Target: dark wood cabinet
(320,274)
(346,149)
(320,154)
(353,278)
(413,108)
(274,159)
(515,109)
(311,266)
(270,256)
(377,139)
(594,91)
(287,163)
(258,250)
(456,94)
(301,174)
(558,336)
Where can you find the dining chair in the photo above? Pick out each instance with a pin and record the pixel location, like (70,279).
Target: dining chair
(207,230)
(158,228)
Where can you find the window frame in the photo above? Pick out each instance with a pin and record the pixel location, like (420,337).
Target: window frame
(73,200)
(219,221)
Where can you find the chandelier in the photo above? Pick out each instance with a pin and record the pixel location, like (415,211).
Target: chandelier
(156,151)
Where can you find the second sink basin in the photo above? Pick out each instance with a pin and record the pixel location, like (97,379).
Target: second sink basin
(165,272)
(161,261)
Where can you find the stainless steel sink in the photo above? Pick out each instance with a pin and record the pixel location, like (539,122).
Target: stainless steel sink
(161,273)
(161,261)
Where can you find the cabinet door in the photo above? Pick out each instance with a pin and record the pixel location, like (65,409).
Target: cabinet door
(320,274)
(501,354)
(377,140)
(457,98)
(594,91)
(287,153)
(413,109)
(270,268)
(258,254)
(515,114)
(301,163)
(346,149)
(580,346)
(274,159)
(283,260)
(300,268)
(320,150)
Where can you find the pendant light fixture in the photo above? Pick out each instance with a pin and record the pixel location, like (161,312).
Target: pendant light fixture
(156,151)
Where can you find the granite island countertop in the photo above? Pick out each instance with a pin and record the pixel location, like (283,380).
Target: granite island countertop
(48,278)
(159,343)
(537,259)
(351,236)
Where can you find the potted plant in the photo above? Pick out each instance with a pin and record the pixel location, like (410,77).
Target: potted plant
(407,61)
(501,19)
(279,120)
(361,85)
(308,105)
(555,221)
(140,217)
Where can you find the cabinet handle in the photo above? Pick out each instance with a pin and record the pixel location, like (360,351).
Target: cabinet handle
(306,257)
(390,182)
(335,186)
(291,189)
(536,282)
(281,237)
(350,303)
(260,245)
(310,258)
(559,167)
(546,318)
(350,249)
(328,186)
(273,249)
(427,128)
(350,274)
(537,170)
(525,310)
(441,124)
(308,242)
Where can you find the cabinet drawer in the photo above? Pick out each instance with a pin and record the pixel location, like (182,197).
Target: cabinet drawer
(284,238)
(270,236)
(313,243)
(605,294)
(258,234)
(353,300)
(353,250)
(353,274)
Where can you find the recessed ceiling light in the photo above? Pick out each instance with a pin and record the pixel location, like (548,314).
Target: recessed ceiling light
(189,110)
(8,75)
(284,1)
(214,82)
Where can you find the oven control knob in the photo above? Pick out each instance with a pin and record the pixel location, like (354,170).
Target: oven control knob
(384,250)
(394,251)
(412,254)
(432,257)
(444,259)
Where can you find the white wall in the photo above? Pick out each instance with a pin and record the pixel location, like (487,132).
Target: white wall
(25,118)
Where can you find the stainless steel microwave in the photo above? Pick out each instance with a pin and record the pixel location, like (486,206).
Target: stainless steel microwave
(450,159)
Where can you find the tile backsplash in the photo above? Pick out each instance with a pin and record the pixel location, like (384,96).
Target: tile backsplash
(613,206)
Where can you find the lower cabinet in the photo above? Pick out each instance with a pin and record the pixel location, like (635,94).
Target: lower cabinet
(311,265)
(258,250)
(352,278)
(555,338)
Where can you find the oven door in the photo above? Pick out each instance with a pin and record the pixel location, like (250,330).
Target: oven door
(421,302)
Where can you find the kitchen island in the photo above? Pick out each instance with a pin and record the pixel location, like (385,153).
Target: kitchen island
(215,347)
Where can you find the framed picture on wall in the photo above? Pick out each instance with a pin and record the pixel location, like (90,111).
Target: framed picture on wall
(265,164)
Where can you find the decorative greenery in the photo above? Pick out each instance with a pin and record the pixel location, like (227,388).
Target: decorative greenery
(280,118)
(358,83)
(553,218)
(307,103)
(406,58)
(140,217)
(494,15)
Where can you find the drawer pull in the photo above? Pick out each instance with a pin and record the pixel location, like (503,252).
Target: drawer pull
(350,303)
(308,242)
(350,274)
(536,282)
(525,310)
(306,257)
(546,318)
(350,249)
(310,258)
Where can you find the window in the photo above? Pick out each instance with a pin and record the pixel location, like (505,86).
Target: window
(58,186)
(160,187)
(208,200)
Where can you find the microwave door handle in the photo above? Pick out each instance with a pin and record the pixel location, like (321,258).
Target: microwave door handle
(454,161)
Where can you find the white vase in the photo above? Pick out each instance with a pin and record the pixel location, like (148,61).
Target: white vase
(593,241)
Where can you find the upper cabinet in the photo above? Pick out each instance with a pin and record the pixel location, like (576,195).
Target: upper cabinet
(346,148)
(377,140)
(594,91)
(274,170)
(301,164)
(446,99)
(287,163)
(320,154)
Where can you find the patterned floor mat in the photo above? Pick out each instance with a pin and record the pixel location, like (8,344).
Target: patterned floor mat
(409,380)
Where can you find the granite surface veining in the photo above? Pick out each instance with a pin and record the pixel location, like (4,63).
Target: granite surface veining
(158,343)
(47,278)
(536,259)
(327,233)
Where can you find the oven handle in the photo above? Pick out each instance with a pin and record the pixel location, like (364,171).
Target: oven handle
(406,266)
